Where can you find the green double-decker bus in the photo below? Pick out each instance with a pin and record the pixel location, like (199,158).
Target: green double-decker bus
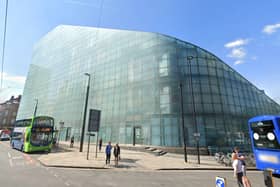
(35,134)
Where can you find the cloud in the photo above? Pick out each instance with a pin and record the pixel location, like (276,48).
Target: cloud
(269,29)
(14,79)
(238,53)
(237,43)
(238,62)
(12,85)
(237,50)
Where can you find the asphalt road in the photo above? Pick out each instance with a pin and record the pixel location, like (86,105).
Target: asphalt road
(18,169)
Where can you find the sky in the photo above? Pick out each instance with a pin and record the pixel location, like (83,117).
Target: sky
(244,34)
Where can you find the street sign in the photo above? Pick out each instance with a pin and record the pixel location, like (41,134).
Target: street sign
(220,182)
(94,120)
(196,134)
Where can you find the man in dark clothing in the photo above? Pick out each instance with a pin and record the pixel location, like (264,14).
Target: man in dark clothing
(100,144)
(117,153)
(72,141)
(108,153)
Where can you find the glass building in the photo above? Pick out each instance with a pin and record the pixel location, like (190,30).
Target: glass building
(135,82)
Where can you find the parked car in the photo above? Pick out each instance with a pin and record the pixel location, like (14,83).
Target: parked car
(5,137)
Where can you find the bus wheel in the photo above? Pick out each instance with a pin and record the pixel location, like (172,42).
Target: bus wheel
(22,148)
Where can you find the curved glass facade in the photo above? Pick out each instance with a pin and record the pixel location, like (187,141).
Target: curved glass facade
(135,78)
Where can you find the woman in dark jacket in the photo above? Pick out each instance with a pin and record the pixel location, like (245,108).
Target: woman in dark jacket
(117,153)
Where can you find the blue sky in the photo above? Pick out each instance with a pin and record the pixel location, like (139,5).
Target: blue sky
(244,34)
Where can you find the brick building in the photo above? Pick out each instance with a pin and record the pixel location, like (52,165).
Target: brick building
(8,112)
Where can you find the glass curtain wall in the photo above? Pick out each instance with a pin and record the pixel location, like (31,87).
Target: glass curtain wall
(135,79)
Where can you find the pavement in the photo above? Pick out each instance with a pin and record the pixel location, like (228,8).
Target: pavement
(21,169)
(137,159)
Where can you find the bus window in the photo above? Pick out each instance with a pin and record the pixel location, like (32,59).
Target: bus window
(41,136)
(264,135)
(17,136)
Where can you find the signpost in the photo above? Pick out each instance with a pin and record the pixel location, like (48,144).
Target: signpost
(94,120)
(221,182)
(196,137)
(93,126)
(89,135)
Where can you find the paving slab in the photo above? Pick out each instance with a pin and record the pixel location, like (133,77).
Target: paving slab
(130,160)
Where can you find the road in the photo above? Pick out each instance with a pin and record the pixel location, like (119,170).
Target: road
(19,169)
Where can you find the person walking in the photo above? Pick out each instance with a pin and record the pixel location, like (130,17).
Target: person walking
(100,144)
(117,154)
(245,180)
(108,153)
(72,142)
(237,169)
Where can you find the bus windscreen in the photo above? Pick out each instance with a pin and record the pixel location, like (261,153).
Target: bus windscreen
(41,135)
(264,135)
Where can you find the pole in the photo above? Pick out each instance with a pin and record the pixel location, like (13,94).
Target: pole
(88,146)
(96,145)
(183,122)
(35,109)
(85,114)
(189,58)
(4,44)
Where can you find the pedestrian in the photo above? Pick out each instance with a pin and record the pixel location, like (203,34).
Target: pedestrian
(108,153)
(100,144)
(237,169)
(72,142)
(117,154)
(245,180)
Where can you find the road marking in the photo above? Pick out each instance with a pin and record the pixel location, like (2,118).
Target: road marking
(17,158)
(9,155)
(11,162)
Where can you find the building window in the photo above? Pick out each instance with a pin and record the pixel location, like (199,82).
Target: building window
(12,121)
(163,66)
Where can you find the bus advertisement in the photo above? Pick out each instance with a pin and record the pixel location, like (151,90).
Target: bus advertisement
(36,134)
(265,137)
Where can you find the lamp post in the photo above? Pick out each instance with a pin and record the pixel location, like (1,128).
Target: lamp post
(35,108)
(4,44)
(85,114)
(196,134)
(183,122)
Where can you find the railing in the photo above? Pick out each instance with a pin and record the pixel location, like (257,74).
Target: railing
(225,158)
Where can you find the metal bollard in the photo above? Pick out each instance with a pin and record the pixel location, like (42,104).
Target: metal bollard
(268,179)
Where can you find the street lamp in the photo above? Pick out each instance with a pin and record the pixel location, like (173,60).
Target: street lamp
(196,134)
(35,108)
(85,114)
(4,44)
(183,122)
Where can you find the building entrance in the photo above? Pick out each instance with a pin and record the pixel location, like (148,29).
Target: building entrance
(137,135)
